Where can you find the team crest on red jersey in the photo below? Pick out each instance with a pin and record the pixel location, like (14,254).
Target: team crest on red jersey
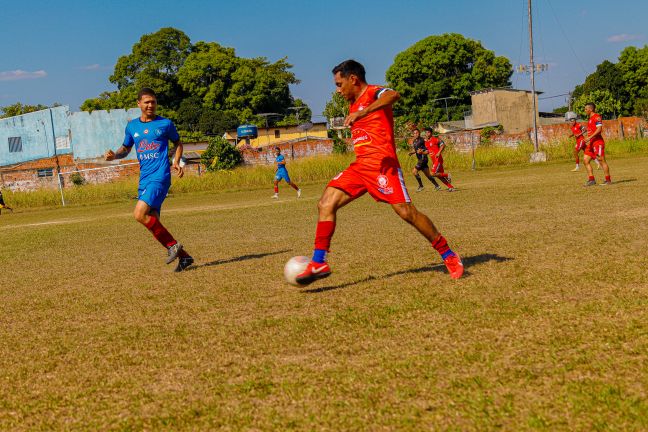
(383,185)
(360,137)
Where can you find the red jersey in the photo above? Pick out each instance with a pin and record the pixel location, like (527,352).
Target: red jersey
(594,122)
(373,135)
(579,132)
(433,145)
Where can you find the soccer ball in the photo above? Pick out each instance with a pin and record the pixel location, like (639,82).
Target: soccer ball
(293,267)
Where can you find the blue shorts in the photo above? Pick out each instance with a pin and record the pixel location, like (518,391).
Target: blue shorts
(153,194)
(282,174)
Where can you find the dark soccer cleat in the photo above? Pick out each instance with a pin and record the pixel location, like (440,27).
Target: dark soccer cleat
(606,183)
(437,188)
(183,263)
(419,189)
(454,265)
(590,183)
(313,272)
(173,252)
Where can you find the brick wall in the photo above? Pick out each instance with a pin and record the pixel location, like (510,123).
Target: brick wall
(296,150)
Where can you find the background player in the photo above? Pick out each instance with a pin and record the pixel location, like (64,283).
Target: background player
(282,173)
(151,135)
(435,148)
(578,131)
(421,152)
(3,205)
(595,146)
(376,170)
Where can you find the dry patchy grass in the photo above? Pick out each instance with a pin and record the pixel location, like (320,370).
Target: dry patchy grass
(546,331)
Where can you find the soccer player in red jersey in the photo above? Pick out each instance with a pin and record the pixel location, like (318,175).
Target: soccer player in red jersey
(595,146)
(435,147)
(421,152)
(578,132)
(376,170)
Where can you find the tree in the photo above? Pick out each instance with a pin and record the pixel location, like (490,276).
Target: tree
(337,106)
(606,104)
(449,65)
(19,109)
(633,65)
(220,155)
(607,78)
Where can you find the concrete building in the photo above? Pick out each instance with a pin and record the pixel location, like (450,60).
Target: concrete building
(510,108)
(280,134)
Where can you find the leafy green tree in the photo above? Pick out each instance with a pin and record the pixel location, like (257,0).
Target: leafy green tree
(337,106)
(608,78)
(214,122)
(449,65)
(220,155)
(633,65)
(606,104)
(19,109)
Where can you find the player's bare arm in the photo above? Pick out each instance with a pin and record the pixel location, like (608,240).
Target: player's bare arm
(121,153)
(179,148)
(387,98)
(441,148)
(597,132)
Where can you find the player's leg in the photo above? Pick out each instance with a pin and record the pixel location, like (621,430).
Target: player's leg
(430,177)
(576,152)
(331,201)
(438,171)
(600,157)
(410,214)
(417,176)
(147,212)
(292,185)
(276,187)
(590,174)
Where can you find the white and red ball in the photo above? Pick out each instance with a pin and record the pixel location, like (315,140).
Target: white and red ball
(293,267)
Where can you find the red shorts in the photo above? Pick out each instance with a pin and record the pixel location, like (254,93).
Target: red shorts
(382,178)
(580,145)
(437,165)
(595,150)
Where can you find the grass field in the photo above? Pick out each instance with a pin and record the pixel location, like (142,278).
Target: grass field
(548,330)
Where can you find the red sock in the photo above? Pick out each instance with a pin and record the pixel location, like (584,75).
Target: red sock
(160,233)
(276,189)
(441,245)
(607,178)
(577,160)
(323,234)
(591,178)
(445,181)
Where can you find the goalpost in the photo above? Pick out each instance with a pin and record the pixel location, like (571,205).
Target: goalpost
(100,175)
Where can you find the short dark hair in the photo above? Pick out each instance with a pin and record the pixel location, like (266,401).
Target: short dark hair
(429,129)
(277,148)
(350,67)
(146,92)
(592,104)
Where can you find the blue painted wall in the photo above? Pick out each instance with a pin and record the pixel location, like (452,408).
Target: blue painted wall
(58,131)
(94,133)
(36,132)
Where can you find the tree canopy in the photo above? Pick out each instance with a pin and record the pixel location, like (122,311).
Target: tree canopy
(203,86)
(449,65)
(19,109)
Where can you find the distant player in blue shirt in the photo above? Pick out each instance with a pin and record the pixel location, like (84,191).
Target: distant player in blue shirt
(150,134)
(282,173)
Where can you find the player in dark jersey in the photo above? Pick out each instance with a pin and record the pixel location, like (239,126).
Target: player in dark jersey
(376,171)
(151,134)
(3,205)
(421,152)
(595,146)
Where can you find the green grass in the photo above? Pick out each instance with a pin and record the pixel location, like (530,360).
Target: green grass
(547,331)
(307,170)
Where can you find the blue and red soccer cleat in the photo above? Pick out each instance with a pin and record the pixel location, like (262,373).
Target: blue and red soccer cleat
(454,265)
(313,272)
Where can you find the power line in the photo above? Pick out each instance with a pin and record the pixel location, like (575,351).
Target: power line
(566,38)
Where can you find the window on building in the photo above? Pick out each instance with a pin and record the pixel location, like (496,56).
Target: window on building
(277,133)
(47,172)
(15,144)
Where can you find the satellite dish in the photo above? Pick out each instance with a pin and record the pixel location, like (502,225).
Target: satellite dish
(305,126)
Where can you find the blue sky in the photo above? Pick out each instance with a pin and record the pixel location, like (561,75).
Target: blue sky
(64,50)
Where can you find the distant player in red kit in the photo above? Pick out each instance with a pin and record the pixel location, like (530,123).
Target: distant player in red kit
(376,170)
(595,146)
(578,132)
(435,148)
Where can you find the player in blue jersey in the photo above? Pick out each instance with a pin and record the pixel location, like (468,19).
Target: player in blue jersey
(150,134)
(282,174)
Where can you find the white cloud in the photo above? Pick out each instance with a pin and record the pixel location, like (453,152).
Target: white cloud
(20,74)
(91,67)
(624,37)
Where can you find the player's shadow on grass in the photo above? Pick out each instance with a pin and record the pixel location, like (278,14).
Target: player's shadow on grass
(468,262)
(237,259)
(624,181)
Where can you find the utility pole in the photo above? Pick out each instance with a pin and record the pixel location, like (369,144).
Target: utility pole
(533,91)
(445,99)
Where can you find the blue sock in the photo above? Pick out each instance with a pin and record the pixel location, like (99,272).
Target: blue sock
(447,254)
(319,255)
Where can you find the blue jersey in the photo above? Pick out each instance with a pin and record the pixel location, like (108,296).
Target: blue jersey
(281,158)
(151,140)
